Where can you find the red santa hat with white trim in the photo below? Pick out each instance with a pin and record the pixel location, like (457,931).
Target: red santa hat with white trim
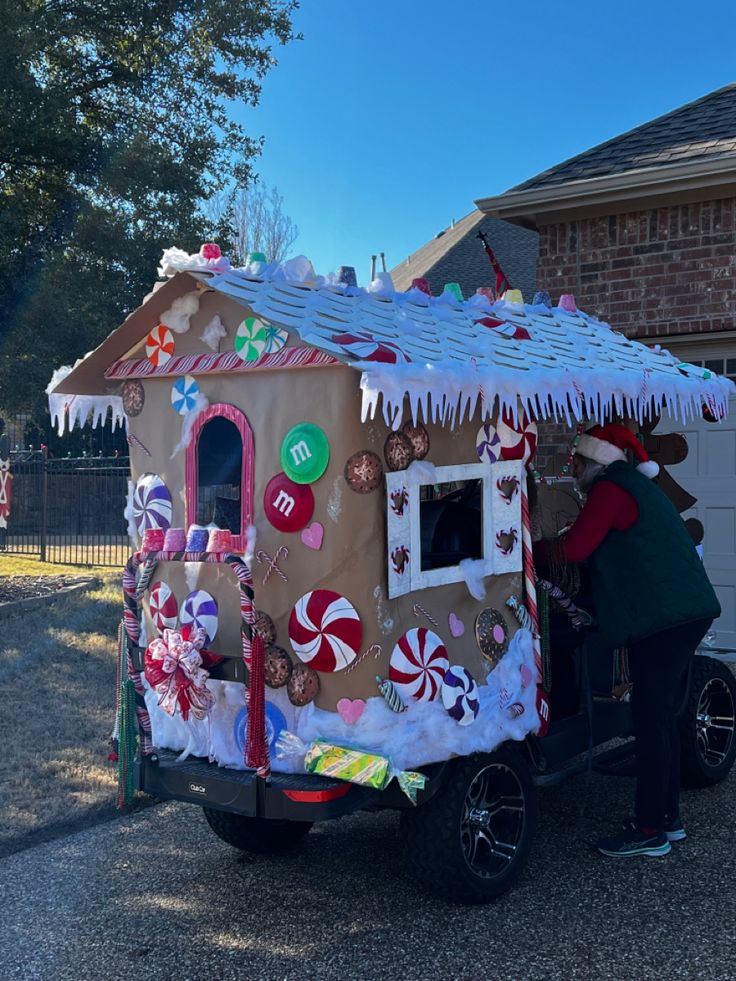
(607,444)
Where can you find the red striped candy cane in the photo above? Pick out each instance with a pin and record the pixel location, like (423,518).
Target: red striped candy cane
(418,610)
(530,578)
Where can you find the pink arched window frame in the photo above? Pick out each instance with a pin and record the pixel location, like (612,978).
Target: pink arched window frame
(240,421)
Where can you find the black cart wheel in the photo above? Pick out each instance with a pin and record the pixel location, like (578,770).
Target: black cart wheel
(256,834)
(470,842)
(708,724)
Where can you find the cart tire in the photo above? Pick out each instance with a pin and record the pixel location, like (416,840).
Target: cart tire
(252,834)
(470,842)
(708,724)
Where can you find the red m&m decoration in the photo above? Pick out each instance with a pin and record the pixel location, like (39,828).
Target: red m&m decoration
(288,506)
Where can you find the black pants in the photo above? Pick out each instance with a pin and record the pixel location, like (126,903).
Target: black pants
(659,669)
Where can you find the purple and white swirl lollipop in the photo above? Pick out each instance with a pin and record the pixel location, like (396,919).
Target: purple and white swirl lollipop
(460,695)
(151,503)
(200,610)
(488,443)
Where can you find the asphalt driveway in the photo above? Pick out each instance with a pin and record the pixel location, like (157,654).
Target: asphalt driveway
(157,895)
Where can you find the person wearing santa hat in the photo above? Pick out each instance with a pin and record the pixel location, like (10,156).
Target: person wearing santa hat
(652,596)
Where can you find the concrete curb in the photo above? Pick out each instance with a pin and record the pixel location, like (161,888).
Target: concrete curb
(16,607)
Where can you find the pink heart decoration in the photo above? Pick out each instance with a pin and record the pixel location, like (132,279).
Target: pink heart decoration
(350,709)
(312,535)
(526,676)
(457,627)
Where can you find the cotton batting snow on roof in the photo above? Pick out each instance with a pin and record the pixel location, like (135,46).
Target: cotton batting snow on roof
(452,359)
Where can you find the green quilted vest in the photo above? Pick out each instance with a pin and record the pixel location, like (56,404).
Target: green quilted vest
(649,577)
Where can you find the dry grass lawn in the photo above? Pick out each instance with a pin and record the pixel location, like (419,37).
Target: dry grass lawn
(29,565)
(57,690)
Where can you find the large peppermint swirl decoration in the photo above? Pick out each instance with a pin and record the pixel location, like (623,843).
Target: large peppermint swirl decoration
(163,606)
(151,503)
(255,338)
(325,630)
(507,440)
(418,664)
(184,394)
(365,347)
(159,345)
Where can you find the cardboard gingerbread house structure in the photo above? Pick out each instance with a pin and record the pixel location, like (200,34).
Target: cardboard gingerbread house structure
(367,452)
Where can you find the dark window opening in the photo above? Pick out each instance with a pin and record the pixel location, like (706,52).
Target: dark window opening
(451,523)
(714,364)
(219,474)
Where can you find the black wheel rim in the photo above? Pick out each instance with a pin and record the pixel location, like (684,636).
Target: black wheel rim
(493,820)
(715,722)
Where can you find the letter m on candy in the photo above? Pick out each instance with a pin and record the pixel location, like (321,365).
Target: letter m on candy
(284,503)
(300,453)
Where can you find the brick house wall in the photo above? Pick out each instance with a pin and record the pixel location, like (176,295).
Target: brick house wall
(651,274)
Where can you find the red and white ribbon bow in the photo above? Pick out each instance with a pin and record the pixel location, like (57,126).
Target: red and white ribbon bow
(173,668)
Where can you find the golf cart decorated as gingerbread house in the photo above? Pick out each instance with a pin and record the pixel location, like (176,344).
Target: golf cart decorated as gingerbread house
(332,602)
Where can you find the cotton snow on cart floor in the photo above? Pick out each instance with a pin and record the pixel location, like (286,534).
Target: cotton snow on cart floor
(424,733)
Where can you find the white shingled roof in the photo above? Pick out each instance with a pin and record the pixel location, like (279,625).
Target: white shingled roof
(452,358)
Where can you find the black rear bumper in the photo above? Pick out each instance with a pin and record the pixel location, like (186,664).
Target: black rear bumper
(287,796)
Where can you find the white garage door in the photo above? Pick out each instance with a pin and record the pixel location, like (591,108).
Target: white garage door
(709,474)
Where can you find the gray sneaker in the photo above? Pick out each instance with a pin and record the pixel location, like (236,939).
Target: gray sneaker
(631,842)
(673,828)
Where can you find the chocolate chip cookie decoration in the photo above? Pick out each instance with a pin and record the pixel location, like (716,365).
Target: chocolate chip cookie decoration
(277,667)
(265,628)
(398,451)
(364,472)
(419,438)
(303,685)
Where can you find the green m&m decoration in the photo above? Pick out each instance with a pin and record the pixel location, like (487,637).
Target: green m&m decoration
(305,453)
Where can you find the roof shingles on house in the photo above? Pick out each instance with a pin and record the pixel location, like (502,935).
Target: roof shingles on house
(456,256)
(641,228)
(702,129)
(687,154)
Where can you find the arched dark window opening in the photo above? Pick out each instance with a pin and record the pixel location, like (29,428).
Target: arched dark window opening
(219,474)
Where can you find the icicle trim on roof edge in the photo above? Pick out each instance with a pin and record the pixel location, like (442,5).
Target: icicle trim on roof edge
(446,393)
(66,411)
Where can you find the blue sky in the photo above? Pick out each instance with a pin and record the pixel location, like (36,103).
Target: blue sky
(390,118)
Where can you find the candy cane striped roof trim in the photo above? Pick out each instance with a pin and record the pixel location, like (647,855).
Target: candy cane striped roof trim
(200,364)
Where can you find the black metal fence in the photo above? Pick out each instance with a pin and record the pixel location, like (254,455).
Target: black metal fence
(68,510)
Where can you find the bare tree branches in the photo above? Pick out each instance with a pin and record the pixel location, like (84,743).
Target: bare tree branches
(253,219)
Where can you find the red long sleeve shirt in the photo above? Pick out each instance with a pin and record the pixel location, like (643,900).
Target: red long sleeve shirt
(608,506)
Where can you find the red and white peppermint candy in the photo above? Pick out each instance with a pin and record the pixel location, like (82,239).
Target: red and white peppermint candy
(325,630)
(163,606)
(418,664)
(515,331)
(364,347)
(159,345)
(507,440)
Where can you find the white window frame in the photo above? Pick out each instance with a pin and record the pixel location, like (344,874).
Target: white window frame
(423,579)
(495,514)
